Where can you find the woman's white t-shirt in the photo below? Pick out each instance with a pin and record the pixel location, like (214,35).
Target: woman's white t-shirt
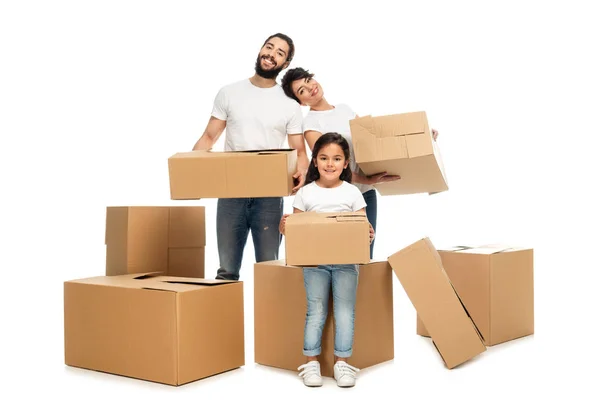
(335,120)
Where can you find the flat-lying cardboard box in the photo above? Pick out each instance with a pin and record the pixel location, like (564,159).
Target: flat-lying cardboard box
(157,328)
(333,238)
(420,271)
(280,311)
(495,283)
(401,144)
(146,239)
(234,174)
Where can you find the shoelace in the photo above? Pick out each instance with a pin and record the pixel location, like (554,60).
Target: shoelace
(347,369)
(308,369)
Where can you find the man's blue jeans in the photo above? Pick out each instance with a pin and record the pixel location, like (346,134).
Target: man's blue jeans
(237,217)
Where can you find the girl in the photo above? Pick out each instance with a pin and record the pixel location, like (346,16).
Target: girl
(328,189)
(300,85)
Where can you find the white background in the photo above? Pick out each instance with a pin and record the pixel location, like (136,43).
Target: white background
(96,95)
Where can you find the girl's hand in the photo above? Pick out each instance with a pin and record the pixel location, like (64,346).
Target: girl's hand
(282,224)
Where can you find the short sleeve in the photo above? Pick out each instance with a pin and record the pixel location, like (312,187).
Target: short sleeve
(359,201)
(294,125)
(311,124)
(219,110)
(299,200)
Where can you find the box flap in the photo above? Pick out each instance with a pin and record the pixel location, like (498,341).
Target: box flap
(420,271)
(350,218)
(485,249)
(187,226)
(263,151)
(325,217)
(129,280)
(400,124)
(180,285)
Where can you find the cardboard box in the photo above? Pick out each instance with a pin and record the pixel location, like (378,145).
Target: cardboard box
(145,239)
(208,174)
(420,271)
(333,238)
(400,144)
(280,311)
(157,328)
(495,284)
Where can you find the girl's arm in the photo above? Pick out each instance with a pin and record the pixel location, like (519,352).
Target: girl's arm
(282,222)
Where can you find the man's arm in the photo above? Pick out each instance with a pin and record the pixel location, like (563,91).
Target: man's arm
(297,142)
(214,129)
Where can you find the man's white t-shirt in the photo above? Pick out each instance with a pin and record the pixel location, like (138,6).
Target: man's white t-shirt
(336,120)
(257,118)
(342,198)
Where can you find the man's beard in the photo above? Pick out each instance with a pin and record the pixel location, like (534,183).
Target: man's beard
(267,74)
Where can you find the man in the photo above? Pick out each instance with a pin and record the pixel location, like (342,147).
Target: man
(258,116)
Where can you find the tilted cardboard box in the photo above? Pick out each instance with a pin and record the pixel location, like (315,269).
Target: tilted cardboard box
(495,283)
(400,144)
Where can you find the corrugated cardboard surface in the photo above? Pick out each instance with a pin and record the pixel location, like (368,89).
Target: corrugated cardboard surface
(333,238)
(208,174)
(495,284)
(400,144)
(419,269)
(156,328)
(280,312)
(143,239)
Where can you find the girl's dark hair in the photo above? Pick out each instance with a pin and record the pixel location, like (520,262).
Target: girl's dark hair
(329,138)
(293,75)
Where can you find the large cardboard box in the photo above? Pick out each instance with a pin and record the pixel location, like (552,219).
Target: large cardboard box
(495,283)
(280,311)
(157,328)
(235,174)
(420,271)
(333,238)
(400,144)
(146,239)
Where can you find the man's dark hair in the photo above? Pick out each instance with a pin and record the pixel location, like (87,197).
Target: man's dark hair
(293,75)
(288,40)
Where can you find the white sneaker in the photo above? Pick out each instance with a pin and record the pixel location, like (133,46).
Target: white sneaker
(311,373)
(344,374)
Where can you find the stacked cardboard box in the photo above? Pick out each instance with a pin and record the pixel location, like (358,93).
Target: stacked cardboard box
(147,239)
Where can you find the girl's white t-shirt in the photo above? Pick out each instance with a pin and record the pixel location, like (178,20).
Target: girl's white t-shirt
(342,198)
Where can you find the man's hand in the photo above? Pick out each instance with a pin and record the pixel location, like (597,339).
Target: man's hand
(371,234)
(381,178)
(299,179)
(282,224)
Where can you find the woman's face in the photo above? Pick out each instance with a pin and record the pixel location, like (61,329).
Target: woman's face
(308,91)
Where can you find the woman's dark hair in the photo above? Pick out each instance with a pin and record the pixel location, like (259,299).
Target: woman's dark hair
(293,75)
(329,138)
